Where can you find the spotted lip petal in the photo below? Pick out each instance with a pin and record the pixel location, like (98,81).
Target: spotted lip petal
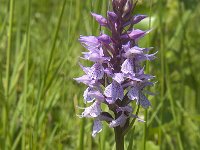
(92,111)
(119,77)
(113,92)
(128,66)
(87,97)
(96,72)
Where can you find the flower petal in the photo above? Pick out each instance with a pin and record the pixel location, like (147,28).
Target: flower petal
(87,97)
(85,69)
(138,118)
(89,42)
(110,100)
(92,111)
(127,108)
(95,57)
(114,91)
(133,93)
(126,47)
(97,71)
(120,121)
(84,79)
(144,57)
(127,66)
(97,127)
(119,77)
(108,71)
(132,77)
(133,51)
(97,95)
(144,102)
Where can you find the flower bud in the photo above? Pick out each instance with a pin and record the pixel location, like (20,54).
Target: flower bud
(127,8)
(100,19)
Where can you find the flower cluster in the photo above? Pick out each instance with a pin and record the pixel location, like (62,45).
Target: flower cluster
(117,77)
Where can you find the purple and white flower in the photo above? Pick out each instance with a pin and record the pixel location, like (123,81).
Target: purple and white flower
(116,78)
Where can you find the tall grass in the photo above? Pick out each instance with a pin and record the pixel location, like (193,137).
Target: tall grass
(38,58)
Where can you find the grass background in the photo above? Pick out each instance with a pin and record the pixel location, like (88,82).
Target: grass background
(38,58)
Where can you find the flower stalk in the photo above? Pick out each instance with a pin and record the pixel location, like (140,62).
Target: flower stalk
(119,138)
(117,77)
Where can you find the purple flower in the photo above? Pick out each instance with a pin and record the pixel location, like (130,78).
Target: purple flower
(116,77)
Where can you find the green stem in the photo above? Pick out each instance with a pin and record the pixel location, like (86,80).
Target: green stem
(26,75)
(82,133)
(55,38)
(145,129)
(162,56)
(43,87)
(6,110)
(119,138)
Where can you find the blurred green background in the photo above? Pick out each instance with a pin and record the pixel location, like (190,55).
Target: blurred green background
(39,51)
